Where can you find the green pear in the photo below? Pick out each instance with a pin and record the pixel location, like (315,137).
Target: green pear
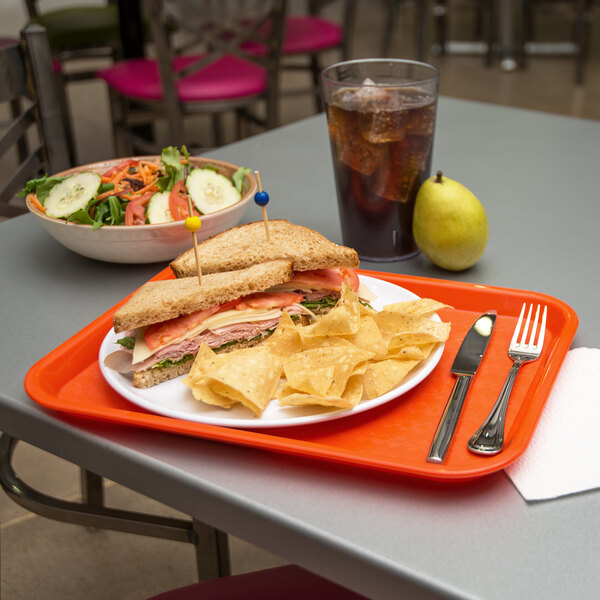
(450,226)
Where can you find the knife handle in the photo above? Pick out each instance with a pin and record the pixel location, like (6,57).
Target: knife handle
(447,424)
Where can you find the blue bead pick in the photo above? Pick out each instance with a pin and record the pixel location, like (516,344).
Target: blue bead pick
(261,198)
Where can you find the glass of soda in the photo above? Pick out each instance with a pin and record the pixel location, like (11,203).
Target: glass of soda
(381,121)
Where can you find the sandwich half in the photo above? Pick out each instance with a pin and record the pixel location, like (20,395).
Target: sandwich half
(165,322)
(246,245)
(320,266)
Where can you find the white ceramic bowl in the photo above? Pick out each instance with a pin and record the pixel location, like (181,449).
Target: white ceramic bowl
(143,243)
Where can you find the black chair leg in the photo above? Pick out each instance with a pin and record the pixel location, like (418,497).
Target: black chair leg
(315,69)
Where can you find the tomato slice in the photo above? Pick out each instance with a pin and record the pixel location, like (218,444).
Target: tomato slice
(178,202)
(269,300)
(329,279)
(229,305)
(119,167)
(351,276)
(160,334)
(135,213)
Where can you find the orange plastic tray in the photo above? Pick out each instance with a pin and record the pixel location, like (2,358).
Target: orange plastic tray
(394,437)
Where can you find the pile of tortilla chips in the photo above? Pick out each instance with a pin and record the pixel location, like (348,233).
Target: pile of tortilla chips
(351,354)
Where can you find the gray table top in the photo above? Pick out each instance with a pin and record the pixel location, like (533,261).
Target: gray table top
(385,536)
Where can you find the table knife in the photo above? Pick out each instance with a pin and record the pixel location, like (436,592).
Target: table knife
(465,366)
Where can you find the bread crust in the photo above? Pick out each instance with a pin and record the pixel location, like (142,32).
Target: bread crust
(246,245)
(158,301)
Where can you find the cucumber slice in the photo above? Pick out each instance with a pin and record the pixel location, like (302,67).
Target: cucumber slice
(211,191)
(72,194)
(157,210)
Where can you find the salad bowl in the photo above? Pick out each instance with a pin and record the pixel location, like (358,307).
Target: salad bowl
(143,243)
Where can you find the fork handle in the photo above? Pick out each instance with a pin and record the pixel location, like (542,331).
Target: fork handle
(489,438)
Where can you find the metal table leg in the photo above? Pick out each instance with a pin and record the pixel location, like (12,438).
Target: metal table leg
(212,556)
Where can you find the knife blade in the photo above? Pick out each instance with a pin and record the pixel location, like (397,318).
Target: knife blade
(465,366)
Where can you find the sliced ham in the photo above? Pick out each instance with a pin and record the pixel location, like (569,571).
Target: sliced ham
(122,360)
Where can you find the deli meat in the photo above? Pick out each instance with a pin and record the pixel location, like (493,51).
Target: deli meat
(122,360)
(317,295)
(214,338)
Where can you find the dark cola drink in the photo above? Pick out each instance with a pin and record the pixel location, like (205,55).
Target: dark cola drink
(382,140)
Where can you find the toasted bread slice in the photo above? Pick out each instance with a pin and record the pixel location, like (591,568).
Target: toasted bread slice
(158,301)
(246,245)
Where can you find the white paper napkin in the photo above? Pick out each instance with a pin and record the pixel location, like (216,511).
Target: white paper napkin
(563,456)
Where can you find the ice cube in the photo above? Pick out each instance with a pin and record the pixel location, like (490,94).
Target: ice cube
(422,120)
(399,175)
(348,143)
(383,126)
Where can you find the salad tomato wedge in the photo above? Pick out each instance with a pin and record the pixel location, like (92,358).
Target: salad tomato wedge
(178,202)
(128,162)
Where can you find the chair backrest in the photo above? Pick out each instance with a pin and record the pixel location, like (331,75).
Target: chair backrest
(348,19)
(27,80)
(213,29)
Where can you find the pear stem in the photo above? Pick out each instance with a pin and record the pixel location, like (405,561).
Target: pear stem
(438,177)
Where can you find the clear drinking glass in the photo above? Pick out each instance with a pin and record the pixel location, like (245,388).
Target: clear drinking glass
(381,120)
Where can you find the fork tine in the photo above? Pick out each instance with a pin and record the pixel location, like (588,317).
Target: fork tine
(518,326)
(526,325)
(531,343)
(540,341)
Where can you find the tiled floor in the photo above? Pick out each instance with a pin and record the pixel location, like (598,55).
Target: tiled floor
(44,559)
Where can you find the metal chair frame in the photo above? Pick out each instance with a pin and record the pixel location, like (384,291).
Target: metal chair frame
(109,50)
(579,13)
(312,62)
(29,85)
(440,10)
(216,39)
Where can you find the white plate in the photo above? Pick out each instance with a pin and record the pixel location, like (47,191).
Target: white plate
(174,399)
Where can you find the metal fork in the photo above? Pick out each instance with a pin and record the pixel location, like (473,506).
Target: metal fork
(489,438)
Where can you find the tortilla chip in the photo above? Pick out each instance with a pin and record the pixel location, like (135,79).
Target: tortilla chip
(204,393)
(383,376)
(286,339)
(249,376)
(351,397)
(423,307)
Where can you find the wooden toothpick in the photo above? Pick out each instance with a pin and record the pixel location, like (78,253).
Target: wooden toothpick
(193,223)
(262,199)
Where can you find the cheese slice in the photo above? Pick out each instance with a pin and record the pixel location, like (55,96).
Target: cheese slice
(223,319)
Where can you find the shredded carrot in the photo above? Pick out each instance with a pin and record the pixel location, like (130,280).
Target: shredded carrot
(146,188)
(105,195)
(151,166)
(121,174)
(34,200)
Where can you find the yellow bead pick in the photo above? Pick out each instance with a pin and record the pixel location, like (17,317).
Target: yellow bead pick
(193,224)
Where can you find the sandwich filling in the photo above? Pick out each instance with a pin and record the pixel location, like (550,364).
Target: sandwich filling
(247,319)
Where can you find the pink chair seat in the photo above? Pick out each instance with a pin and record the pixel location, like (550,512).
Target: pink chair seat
(289,582)
(228,78)
(310,34)
(304,35)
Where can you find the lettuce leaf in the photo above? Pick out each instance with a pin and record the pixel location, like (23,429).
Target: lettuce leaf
(238,177)
(41,187)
